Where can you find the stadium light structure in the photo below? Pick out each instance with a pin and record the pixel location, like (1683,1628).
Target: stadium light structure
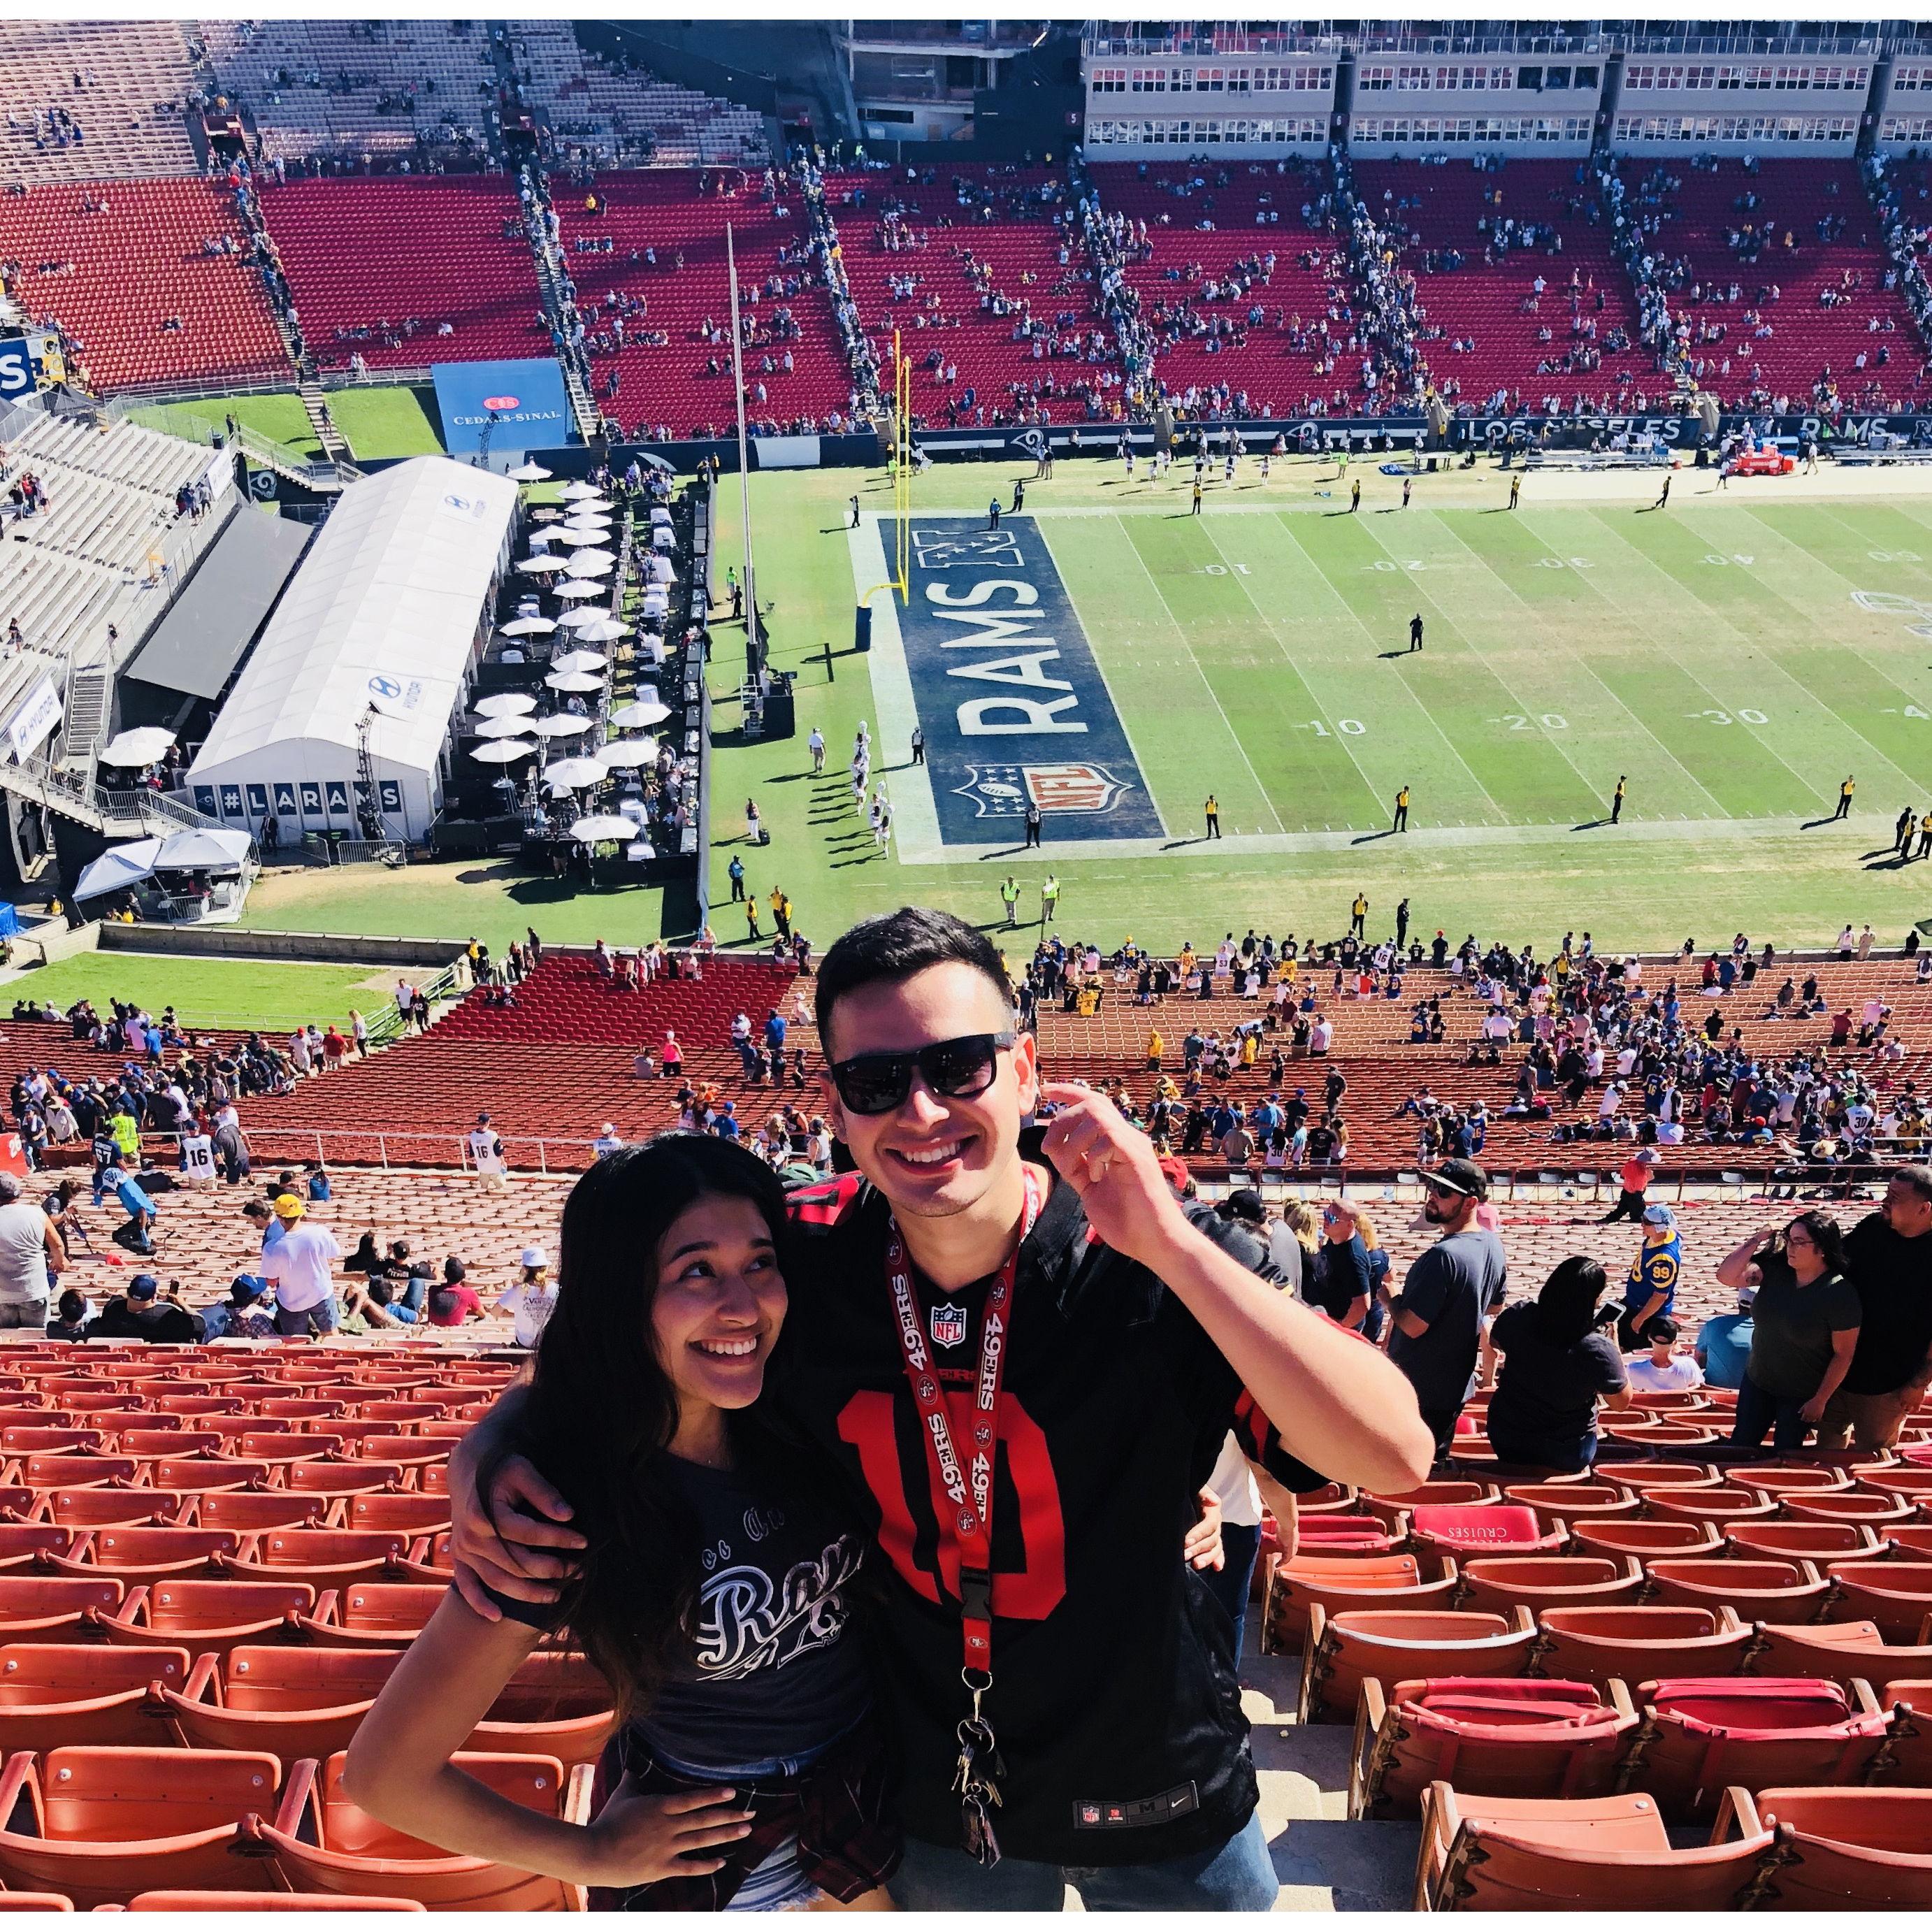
(755,650)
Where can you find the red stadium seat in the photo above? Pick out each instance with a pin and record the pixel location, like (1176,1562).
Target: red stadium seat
(1573,1502)
(323,1843)
(1389,1507)
(1894,1596)
(1722,1502)
(264,1901)
(341,1479)
(1581,1854)
(52,1694)
(100,1823)
(1463,1530)
(329,1559)
(1548,1583)
(1503,1737)
(1842,1651)
(52,1609)
(201,1616)
(1699,1732)
(1344,1649)
(1849,1849)
(410,1516)
(1815,1543)
(145,1555)
(1640,1538)
(1297,1584)
(110,1508)
(382,1615)
(1911,1747)
(249,1512)
(1631,1643)
(1787,1592)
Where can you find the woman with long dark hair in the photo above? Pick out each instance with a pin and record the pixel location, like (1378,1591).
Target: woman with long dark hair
(1557,1363)
(713,1592)
(1804,1326)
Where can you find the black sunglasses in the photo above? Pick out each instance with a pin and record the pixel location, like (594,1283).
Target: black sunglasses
(876,1083)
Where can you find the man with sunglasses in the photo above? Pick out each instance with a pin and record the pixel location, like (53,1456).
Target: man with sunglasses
(1020,1358)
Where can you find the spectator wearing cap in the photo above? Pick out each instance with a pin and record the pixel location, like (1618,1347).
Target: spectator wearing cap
(1634,1181)
(298,1266)
(1651,1289)
(247,1315)
(1437,1318)
(1723,1344)
(1338,1284)
(142,1313)
(1662,1371)
(608,1140)
(31,1258)
(531,1299)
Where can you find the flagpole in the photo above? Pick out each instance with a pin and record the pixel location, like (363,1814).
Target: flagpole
(753,658)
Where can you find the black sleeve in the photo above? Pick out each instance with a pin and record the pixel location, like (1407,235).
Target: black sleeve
(533,1616)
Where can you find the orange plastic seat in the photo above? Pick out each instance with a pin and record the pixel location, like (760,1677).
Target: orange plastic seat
(1754,1588)
(1700,1733)
(323,1843)
(145,1555)
(1548,1582)
(330,1559)
(1484,1529)
(209,1472)
(1643,1537)
(1644,1476)
(1865,1506)
(24,1440)
(49,1609)
(1910,1699)
(1810,1542)
(1849,1848)
(1907,1484)
(1581,1854)
(1722,1502)
(1894,1596)
(145,1442)
(412,1516)
(290,1445)
(1389,1507)
(264,1901)
(1632,1642)
(341,1479)
(406,1449)
(35,1901)
(1909,1542)
(248,1512)
(1556,1503)
(1504,1737)
(1344,1649)
(202,1615)
(52,1694)
(384,1615)
(1783,1479)
(99,1823)
(1401,1582)
(111,1508)
(1329,1534)
(1842,1651)
(24,1545)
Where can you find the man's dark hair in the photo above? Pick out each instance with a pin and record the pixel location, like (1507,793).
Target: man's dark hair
(1919,1179)
(894,945)
(72,1306)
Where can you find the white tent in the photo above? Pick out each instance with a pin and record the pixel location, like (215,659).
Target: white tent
(118,868)
(199,849)
(385,620)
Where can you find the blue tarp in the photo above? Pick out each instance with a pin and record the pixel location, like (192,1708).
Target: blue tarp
(10,921)
(526,398)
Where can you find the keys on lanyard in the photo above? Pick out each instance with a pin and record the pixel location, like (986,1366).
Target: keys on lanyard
(976,1779)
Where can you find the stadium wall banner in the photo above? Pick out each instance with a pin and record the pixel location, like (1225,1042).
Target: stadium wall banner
(526,398)
(1009,695)
(35,721)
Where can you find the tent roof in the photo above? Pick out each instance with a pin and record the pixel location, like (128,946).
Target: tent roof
(118,868)
(385,605)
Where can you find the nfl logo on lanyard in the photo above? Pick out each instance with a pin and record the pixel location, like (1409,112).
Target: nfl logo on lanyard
(948,1324)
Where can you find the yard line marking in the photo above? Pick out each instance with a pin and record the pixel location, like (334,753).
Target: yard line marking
(1187,650)
(1584,664)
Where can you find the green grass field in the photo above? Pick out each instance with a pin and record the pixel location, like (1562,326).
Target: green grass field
(212,992)
(378,422)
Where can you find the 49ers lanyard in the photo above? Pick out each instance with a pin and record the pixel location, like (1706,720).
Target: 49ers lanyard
(963,1500)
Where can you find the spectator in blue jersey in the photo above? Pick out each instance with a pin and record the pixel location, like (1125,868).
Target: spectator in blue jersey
(1651,1289)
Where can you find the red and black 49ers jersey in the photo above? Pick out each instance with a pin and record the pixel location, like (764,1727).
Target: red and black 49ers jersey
(1114,1697)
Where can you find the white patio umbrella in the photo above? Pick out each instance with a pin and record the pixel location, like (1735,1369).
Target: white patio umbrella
(624,754)
(559,724)
(529,627)
(584,519)
(582,536)
(141,746)
(505,704)
(579,661)
(512,725)
(602,827)
(570,774)
(593,562)
(529,472)
(582,618)
(580,491)
(502,751)
(579,587)
(639,715)
(581,682)
(597,628)
(538,566)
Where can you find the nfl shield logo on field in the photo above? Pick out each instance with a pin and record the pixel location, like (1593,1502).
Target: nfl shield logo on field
(1072,787)
(949,1325)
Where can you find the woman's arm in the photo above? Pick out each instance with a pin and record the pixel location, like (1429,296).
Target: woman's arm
(1843,1341)
(399,1771)
(1735,1270)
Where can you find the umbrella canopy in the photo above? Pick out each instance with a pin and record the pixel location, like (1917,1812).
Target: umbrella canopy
(535,566)
(559,724)
(579,588)
(529,472)
(568,774)
(118,868)
(600,827)
(529,627)
(584,518)
(639,715)
(593,562)
(624,754)
(203,848)
(579,661)
(581,682)
(510,726)
(584,617)
(140,747)
(502,751)
(579,491)
(594,627)
(582,536)
(505,704)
